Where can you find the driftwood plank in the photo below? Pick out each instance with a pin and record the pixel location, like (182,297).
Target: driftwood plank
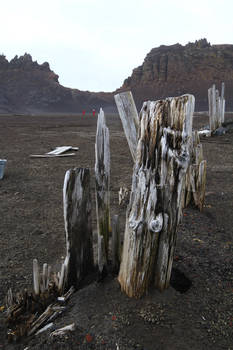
(129,118)
(102,182)
(77,217)
(155,205)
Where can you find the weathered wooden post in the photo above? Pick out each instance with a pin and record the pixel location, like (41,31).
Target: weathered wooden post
(216,108)
(196,174)
(102,181)
(129,118)
(77,217)
(155,206)
(222,104)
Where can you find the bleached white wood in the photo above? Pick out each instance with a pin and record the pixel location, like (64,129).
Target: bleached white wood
(102,184)
(216,107)
(155,206)
(36,277)
(63,330)
(129,118)
(52,155)
(196,174)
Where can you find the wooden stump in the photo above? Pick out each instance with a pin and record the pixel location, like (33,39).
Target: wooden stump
(102,181)
(77,216)
(155,206)
(129,118)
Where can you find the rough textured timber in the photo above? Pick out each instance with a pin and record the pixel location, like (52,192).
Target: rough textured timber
(129,118)
(102,181)
(157,188)
(196,174)
(77,216)
(216,107)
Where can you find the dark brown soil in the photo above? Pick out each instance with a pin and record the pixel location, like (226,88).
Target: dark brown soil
(194,313)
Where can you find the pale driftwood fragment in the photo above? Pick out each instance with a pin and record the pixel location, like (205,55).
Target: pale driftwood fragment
(77,217)
(129,118)
(155,206)
(116,243)
(102,183)
(45,328)
(52,155)
(62,149)
(57,152)
(63,330)
(36,277)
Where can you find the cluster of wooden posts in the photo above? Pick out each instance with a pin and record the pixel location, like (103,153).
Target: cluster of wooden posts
(169,172)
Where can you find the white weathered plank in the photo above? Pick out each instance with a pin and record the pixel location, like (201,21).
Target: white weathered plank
(129,118)
(102,183)
(155,206)
(52,155)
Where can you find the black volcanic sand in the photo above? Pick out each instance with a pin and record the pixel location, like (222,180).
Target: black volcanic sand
(194,313)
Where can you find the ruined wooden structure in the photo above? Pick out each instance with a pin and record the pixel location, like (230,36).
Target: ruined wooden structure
(158,181)
(216,107)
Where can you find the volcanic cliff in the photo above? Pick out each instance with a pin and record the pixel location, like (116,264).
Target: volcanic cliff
(28,87)
(175,70)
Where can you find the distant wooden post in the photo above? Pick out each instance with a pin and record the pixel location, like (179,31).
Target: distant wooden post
(196,174)
(77,217)
(222,104)
(216,107)
(129,118)
(155,205)
(102,181)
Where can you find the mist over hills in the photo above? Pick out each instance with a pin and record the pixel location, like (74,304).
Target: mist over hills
(28,87)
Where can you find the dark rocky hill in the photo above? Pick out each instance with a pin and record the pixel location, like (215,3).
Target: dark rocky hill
(28,87)
(176,69)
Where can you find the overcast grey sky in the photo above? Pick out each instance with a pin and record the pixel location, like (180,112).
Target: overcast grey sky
(95,44)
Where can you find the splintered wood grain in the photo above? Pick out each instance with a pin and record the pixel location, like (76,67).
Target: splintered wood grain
(155,206)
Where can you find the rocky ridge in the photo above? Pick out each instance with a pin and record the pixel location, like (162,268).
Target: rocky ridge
(28,87)
(175,70)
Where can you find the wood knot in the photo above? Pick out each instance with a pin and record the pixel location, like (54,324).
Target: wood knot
(156,224)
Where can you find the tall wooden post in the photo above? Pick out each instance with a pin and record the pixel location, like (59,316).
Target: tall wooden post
(129,118)
(216,107)
(102,181)
(77,217)
(222,104)
(196,174)
(155,206)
